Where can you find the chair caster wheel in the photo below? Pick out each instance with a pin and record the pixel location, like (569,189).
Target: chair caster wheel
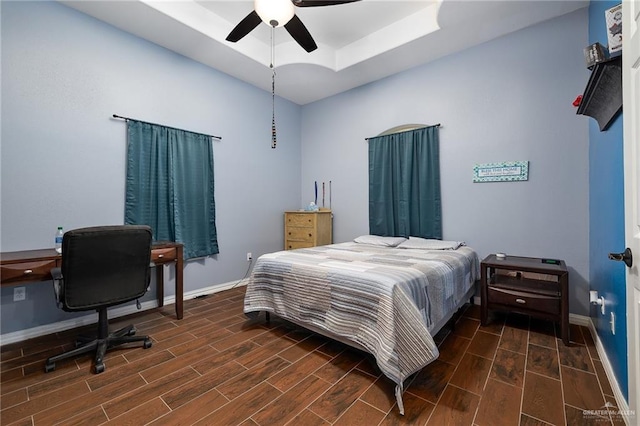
(132,332)
(49,367)
(147,344)
(99,368)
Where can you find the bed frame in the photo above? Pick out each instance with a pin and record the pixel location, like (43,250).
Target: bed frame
(434,329)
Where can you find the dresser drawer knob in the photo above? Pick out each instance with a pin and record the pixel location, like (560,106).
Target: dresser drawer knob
(522,301)
(28,271)
(160,256)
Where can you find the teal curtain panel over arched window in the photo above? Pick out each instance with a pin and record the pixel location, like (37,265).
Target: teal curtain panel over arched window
(170,186)
(404,184)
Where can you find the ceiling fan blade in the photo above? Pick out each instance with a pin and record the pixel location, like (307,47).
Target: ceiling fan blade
(245,26)
(300,34)
(315,3)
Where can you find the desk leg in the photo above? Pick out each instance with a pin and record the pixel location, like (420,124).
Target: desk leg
(160,284)
(179,284)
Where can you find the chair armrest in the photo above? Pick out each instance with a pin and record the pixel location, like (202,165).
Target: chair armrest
(56,273)
(58,286)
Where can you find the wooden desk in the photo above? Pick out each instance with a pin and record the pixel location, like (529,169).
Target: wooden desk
(21,267)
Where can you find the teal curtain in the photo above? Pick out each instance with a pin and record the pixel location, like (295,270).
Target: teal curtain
(170,186)
(404,184)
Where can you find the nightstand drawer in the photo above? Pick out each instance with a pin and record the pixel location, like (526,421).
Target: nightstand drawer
(524,300)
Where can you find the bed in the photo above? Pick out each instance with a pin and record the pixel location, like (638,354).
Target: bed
(387,296)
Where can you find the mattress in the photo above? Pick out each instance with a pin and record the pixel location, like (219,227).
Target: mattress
(388,301)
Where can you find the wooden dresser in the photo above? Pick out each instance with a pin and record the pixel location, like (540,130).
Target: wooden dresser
(307,229)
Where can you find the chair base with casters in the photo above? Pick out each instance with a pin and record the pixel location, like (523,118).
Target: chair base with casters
(85,282)
(100,344)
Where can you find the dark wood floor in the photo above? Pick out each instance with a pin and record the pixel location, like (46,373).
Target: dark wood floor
(215,367)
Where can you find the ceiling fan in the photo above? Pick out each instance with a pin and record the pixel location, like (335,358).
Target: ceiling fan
(277,13)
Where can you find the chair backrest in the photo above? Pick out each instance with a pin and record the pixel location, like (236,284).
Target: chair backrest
(105,265)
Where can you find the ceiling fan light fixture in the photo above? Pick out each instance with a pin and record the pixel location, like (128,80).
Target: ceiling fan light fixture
(274,13)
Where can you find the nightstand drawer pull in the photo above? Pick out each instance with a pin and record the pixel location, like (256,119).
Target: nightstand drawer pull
(28,271)
(522,301)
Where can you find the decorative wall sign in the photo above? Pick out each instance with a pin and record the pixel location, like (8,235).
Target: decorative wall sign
(501,172)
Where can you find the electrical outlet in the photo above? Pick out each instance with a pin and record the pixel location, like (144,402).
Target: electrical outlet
(19,293)
(249,257)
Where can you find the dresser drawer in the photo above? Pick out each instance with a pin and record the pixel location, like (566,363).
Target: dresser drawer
(301,220)
(524,300)
(300,234)
(27,271)
(163,255)
(292,245)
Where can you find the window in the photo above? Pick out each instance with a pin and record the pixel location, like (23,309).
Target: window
(404,184)
(170,186)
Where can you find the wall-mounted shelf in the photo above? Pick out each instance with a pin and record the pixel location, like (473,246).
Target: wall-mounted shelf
(602,98)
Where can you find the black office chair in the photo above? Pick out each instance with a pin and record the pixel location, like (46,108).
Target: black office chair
(101,267)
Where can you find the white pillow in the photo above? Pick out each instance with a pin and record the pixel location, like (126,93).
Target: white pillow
(377,240)
(429,244)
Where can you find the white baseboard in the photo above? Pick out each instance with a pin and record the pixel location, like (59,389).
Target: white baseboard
(580,320)
(92,318)
(621,402)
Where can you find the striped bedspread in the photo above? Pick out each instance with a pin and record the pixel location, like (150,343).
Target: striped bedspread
(385,300)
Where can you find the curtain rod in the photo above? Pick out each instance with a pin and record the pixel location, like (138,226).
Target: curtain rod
(148,122)
(402,131)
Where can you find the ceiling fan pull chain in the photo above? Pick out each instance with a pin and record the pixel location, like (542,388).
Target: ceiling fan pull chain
(273,115)
(273,91)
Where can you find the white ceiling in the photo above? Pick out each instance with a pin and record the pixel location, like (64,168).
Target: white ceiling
(357,42)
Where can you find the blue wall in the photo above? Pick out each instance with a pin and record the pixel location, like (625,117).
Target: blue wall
(63,157)
(606,220)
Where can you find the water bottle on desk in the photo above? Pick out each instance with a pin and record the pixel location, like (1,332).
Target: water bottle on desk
(58,239)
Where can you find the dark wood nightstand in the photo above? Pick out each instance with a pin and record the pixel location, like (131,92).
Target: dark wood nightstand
(527,285)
